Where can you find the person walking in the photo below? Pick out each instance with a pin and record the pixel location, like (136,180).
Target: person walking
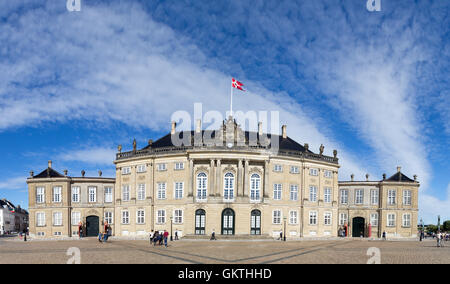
(384,235)
(155,238)
(213,235)
(166,235)
(151,236)
(80,230)
(176,235)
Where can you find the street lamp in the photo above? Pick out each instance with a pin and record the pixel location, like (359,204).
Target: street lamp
(284,235)
(171,218)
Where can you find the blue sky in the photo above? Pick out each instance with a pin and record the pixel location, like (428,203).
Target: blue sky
(375,86)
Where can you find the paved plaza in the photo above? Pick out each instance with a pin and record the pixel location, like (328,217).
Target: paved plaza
(223,252)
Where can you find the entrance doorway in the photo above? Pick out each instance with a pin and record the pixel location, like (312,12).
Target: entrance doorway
(255,222)
(92,226)
(358,227)
(200,216)
(228,222)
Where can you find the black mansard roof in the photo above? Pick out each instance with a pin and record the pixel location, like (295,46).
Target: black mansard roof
(48,173)
(400,178)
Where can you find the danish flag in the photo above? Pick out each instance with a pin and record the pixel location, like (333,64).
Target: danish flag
(236,84)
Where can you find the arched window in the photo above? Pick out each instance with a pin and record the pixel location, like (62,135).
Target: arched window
(255,187)
(200,216)
(202,186)
(228,190)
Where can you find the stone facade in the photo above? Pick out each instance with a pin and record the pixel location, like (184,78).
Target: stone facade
(235,186)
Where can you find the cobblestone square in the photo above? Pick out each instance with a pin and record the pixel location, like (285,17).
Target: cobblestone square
(223,252)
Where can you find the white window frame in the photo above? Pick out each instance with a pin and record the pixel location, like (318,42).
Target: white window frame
(406,222)
(312,218)
(374,196)
(41,219)
(40,194)
(342,219)
(327,218)
(295,170)
(162,167)
(125,214)
(313,172)
(108,195)
(161,216)
(327,195)
(202,186)
(57,218)
(178,216)
(140,216)
(407,197)
(374,219)
(392,196)
(57,194)
(344,197)
(75,194)
(109,217)
(312,193)
(126,170)
(277,191)
(178,190)
(90,199)
(293,192)
(126,192)
(359,196)
(277,217)
(293,217)
(179,166)
(75,218)
(389,224)
(255,187)
(141,192)
(327,174)
(141,168)
(278,168)
(228,186)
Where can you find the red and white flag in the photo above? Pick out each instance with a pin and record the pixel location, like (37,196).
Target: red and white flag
(236,84)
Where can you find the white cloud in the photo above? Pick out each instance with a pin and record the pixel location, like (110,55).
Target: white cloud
(94,155)
(14,183)
(430,207)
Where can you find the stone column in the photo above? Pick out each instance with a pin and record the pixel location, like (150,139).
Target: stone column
(240,185)
(218,182)
(211,178)
(266,179)
(191,177)
(245,180)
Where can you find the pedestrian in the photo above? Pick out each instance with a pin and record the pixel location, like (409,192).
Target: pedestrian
(213,235)
(161,238)
(100,237)
(80,230)
(151,236)
(438,239)
(281,236)
(155,238)
(384,235)
(166,235)
(176,235)
(24,235)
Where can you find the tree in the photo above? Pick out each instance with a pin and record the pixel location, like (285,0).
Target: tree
(431,228)
(446,226)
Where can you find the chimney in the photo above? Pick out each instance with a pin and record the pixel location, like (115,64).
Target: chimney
(198,126)
(83,173)
(398,169)
(352,176)
(174,127)
(283,131)
(260,131)
(99,173)
(367,177)
(49,163)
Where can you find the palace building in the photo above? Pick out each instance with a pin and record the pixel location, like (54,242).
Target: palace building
(229,181)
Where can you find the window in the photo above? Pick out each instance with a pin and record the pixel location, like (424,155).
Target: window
(391,197)
(125,217)
(406,220)
(294,192)
(92,194)
(161,217)
(109,217)
(161,190)
(277,188)
(374,196)
(313,172)
(342,219)
(40,194)
(276,217)
(141,192)
(327,195)
(202,186)
(327,218)
(407,197)
(313,193)
(178,216)
(344,196)
(255,187)
(141,168)
(126,192)
(40,219)
(293,217)
(57,194)
(162,167)
(108,195)
(76,194)
(391,220)
(57,219)
(294,170)
(327,174)
(76,218)
(277,168)
(126,170)
(228,192)
(140,216)
(312,217)
(359,196)
(374,219)
(179,190)
(179,166)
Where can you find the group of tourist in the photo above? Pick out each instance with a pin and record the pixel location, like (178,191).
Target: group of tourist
(441,237)
(160,238)
(102,236)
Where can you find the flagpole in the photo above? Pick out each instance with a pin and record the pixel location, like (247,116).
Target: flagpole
(231,100)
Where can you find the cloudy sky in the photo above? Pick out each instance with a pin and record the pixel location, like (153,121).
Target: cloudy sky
(373,85)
